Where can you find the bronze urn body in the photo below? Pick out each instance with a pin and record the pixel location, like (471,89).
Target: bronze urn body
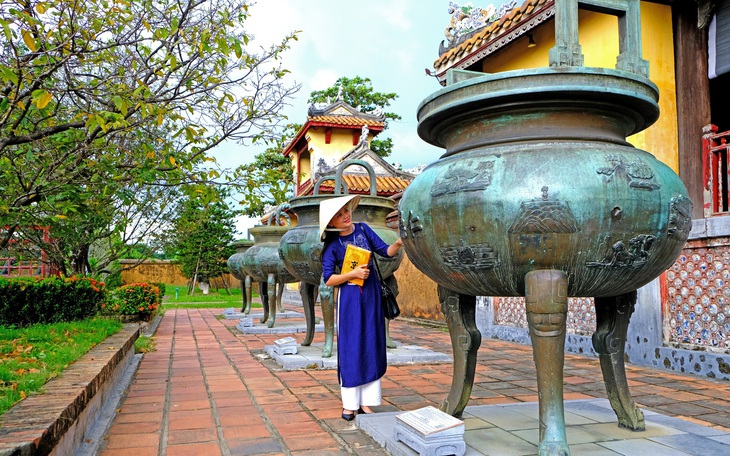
(540,195)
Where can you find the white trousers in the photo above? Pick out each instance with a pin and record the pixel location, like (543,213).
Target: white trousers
(355,397)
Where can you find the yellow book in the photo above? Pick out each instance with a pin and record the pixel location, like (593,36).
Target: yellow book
(354,257)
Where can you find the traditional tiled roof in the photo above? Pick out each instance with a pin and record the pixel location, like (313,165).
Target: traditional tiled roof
(337,115)
(360,184)
(482,42)
(339,121)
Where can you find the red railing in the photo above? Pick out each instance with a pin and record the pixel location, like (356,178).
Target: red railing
(13,267)
(715,169)
(32,262)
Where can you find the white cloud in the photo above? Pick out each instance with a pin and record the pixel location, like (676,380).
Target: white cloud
(323,79)
(397,14)
(271,20)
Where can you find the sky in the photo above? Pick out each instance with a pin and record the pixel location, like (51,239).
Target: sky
(391,42)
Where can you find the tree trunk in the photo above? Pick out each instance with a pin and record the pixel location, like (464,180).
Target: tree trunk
(80,260)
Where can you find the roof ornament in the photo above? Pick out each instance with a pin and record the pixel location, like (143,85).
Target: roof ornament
(468,18)
(364,133)
(339,94)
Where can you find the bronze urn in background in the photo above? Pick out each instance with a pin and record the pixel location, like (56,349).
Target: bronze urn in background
(300,247)
(235,265)
(261,261)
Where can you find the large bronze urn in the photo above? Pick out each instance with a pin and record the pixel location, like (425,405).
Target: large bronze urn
(300,247)
(261,261)
(540,195)
(235,265)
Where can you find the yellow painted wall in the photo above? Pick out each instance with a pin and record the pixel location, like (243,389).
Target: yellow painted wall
(306,168)
(598,37)
(340,144)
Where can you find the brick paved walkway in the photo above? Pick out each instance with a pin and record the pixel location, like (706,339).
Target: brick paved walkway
(209,390)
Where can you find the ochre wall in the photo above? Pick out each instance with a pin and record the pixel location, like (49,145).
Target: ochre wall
(164,271)
(598,37)
(417,296)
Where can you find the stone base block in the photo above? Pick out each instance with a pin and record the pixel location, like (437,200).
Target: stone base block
(245,322)
(431,432)
(286,346)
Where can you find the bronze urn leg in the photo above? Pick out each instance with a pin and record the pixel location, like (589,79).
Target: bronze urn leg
(271,289)
(279,294)
(327,298)
(546,299)
(609,340)
(306,291)
(389,343)
(263,294)
(465,340)
(247,292)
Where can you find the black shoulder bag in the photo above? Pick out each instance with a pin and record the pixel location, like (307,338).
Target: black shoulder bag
(387,297)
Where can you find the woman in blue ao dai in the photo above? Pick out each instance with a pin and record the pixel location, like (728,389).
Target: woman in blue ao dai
(361,350)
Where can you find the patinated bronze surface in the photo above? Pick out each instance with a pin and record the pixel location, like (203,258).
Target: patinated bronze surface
(262,263)
(235,265)
(540,195)
(300,248)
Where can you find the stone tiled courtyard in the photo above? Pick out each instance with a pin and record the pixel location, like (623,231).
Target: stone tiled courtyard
(211,390)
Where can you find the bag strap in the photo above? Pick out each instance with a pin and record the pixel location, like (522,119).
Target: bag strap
(367,236)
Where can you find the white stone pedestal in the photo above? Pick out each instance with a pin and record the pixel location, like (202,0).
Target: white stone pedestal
(431,432)
(245,322)
(286,346)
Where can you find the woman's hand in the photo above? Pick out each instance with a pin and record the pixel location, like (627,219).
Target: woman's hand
(394,247)
(360,272)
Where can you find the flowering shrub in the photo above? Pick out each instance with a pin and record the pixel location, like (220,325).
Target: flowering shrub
(136,299)
(161,292)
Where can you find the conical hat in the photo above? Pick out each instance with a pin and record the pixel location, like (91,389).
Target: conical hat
(329,207)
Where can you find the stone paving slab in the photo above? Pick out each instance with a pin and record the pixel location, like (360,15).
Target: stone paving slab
(311,357)
(591,426)
(289,326)
(231,314)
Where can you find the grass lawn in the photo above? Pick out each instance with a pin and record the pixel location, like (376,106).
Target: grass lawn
(176,297)
(31,356)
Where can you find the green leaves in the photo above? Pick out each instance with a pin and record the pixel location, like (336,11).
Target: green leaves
(120,104)
(105,99)
(358,92)
(8,75)
(268,181)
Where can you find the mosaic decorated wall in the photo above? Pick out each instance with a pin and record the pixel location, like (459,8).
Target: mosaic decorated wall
(698,292)
(581,314)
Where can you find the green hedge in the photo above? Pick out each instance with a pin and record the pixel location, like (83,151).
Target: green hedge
(28,301)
